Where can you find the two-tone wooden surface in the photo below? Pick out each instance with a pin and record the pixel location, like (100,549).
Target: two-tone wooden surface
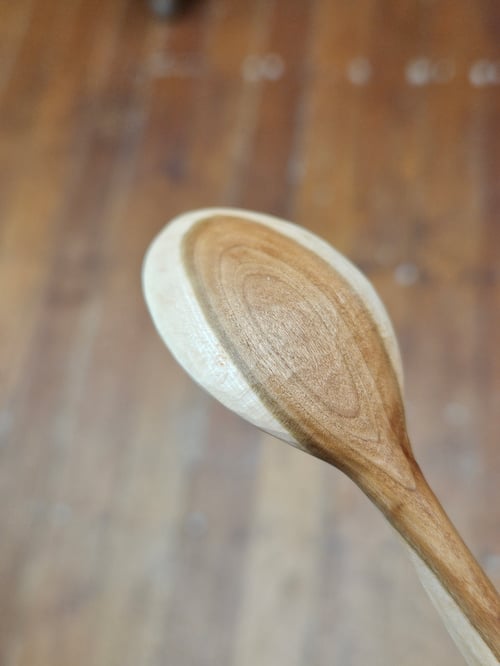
(140,523)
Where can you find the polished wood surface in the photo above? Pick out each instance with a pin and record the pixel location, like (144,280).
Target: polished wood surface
(140,522)
(287,333)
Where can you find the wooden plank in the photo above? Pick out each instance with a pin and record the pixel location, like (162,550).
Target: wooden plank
(281,576)
(45,155)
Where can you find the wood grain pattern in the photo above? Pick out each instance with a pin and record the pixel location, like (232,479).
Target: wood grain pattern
(305,343)
(304,339)
(132,507)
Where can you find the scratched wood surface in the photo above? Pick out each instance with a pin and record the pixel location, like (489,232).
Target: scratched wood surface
(140,523)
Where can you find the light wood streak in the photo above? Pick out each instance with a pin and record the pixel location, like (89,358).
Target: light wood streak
(276,585)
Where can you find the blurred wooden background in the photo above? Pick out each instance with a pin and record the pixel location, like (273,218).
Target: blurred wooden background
(140,523)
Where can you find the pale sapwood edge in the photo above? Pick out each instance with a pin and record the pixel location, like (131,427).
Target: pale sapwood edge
(182,324)
(469,642)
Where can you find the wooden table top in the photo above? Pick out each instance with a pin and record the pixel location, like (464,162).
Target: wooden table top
(142,524)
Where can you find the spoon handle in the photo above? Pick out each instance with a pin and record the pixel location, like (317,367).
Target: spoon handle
(455,582)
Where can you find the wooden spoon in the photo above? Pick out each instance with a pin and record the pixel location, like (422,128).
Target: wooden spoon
(283,330)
